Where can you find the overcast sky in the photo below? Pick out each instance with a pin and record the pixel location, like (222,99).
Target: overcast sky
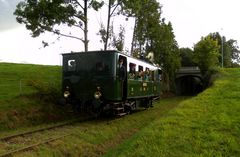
(191,19)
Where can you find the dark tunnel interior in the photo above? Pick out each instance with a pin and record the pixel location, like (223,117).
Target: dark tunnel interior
(189,85)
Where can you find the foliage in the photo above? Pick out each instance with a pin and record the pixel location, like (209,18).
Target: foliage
(103,34)
(186,57)
(47,91)
(235,52)
(147,22)
(118,41)
(206,53)
(151,34)
(44,15)
(167,54)
(114,7)
(230,50)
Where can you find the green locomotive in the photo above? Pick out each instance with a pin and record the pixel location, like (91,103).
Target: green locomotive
(110,81)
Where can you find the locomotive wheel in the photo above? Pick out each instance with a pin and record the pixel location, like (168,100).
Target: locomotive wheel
(148,103)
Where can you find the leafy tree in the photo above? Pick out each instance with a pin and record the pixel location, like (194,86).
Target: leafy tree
(147,19)
(234,51)
(206,53)
(168,54)
(118,41)
(151,34)
(230,49)
(106,33)
(103,34)
(186,57)
(41,16)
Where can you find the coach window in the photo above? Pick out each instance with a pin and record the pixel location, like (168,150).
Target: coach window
(159,74)
(71,65)
(140,72)
(147,74)
(132,70)
(153,76)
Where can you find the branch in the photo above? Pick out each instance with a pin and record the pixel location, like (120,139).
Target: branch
(90,4)
(78,4)
(79,27)
(114,9)
(65,35)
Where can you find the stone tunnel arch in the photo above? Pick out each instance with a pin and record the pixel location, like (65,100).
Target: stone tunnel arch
(189,84)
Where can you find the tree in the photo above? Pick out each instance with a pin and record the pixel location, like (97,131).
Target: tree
(41,16)
(152,34)
(234,52)
(147,19)
(106,33)
(186,55)
(230,50)
(206,53)
(118,41)
(168,54)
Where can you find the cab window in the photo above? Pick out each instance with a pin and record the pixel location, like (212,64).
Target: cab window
(101,67)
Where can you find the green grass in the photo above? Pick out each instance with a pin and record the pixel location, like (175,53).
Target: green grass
(27,95)
(206,125)
(15,79)
(95,138)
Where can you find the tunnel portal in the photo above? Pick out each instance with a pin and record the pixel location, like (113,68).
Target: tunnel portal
(189,81)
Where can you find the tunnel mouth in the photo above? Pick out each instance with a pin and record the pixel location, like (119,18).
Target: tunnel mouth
(189,85)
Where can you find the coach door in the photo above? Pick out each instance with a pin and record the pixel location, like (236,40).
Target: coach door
(122,75)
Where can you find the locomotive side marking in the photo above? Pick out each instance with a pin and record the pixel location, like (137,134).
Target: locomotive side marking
(155,88)
(144,84)
(132,91)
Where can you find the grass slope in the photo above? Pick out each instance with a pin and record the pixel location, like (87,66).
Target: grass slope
(206,125)
(17,79)
(95,138)
(27,95)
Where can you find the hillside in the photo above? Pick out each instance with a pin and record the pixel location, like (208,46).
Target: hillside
(27,95)
(206,125)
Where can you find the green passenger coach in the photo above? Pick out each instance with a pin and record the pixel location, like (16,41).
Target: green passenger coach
(109,81)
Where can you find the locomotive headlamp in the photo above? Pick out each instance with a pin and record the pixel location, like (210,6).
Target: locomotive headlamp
(97,95)
(66,94)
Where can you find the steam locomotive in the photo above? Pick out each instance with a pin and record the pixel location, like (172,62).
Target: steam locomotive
(109,81)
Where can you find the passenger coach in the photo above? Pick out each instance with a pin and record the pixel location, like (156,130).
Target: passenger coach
(109,81)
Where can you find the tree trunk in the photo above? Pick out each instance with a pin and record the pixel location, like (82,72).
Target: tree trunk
(108,23)
(85,26)
(133,37)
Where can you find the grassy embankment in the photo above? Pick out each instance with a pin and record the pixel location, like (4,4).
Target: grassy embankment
(206,125)
(27,94)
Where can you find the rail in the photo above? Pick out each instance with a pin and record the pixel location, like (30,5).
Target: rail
(7,139)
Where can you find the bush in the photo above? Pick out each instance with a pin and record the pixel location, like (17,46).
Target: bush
(47,91)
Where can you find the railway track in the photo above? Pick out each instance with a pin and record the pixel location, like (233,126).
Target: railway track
(15,143)
(24,141)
